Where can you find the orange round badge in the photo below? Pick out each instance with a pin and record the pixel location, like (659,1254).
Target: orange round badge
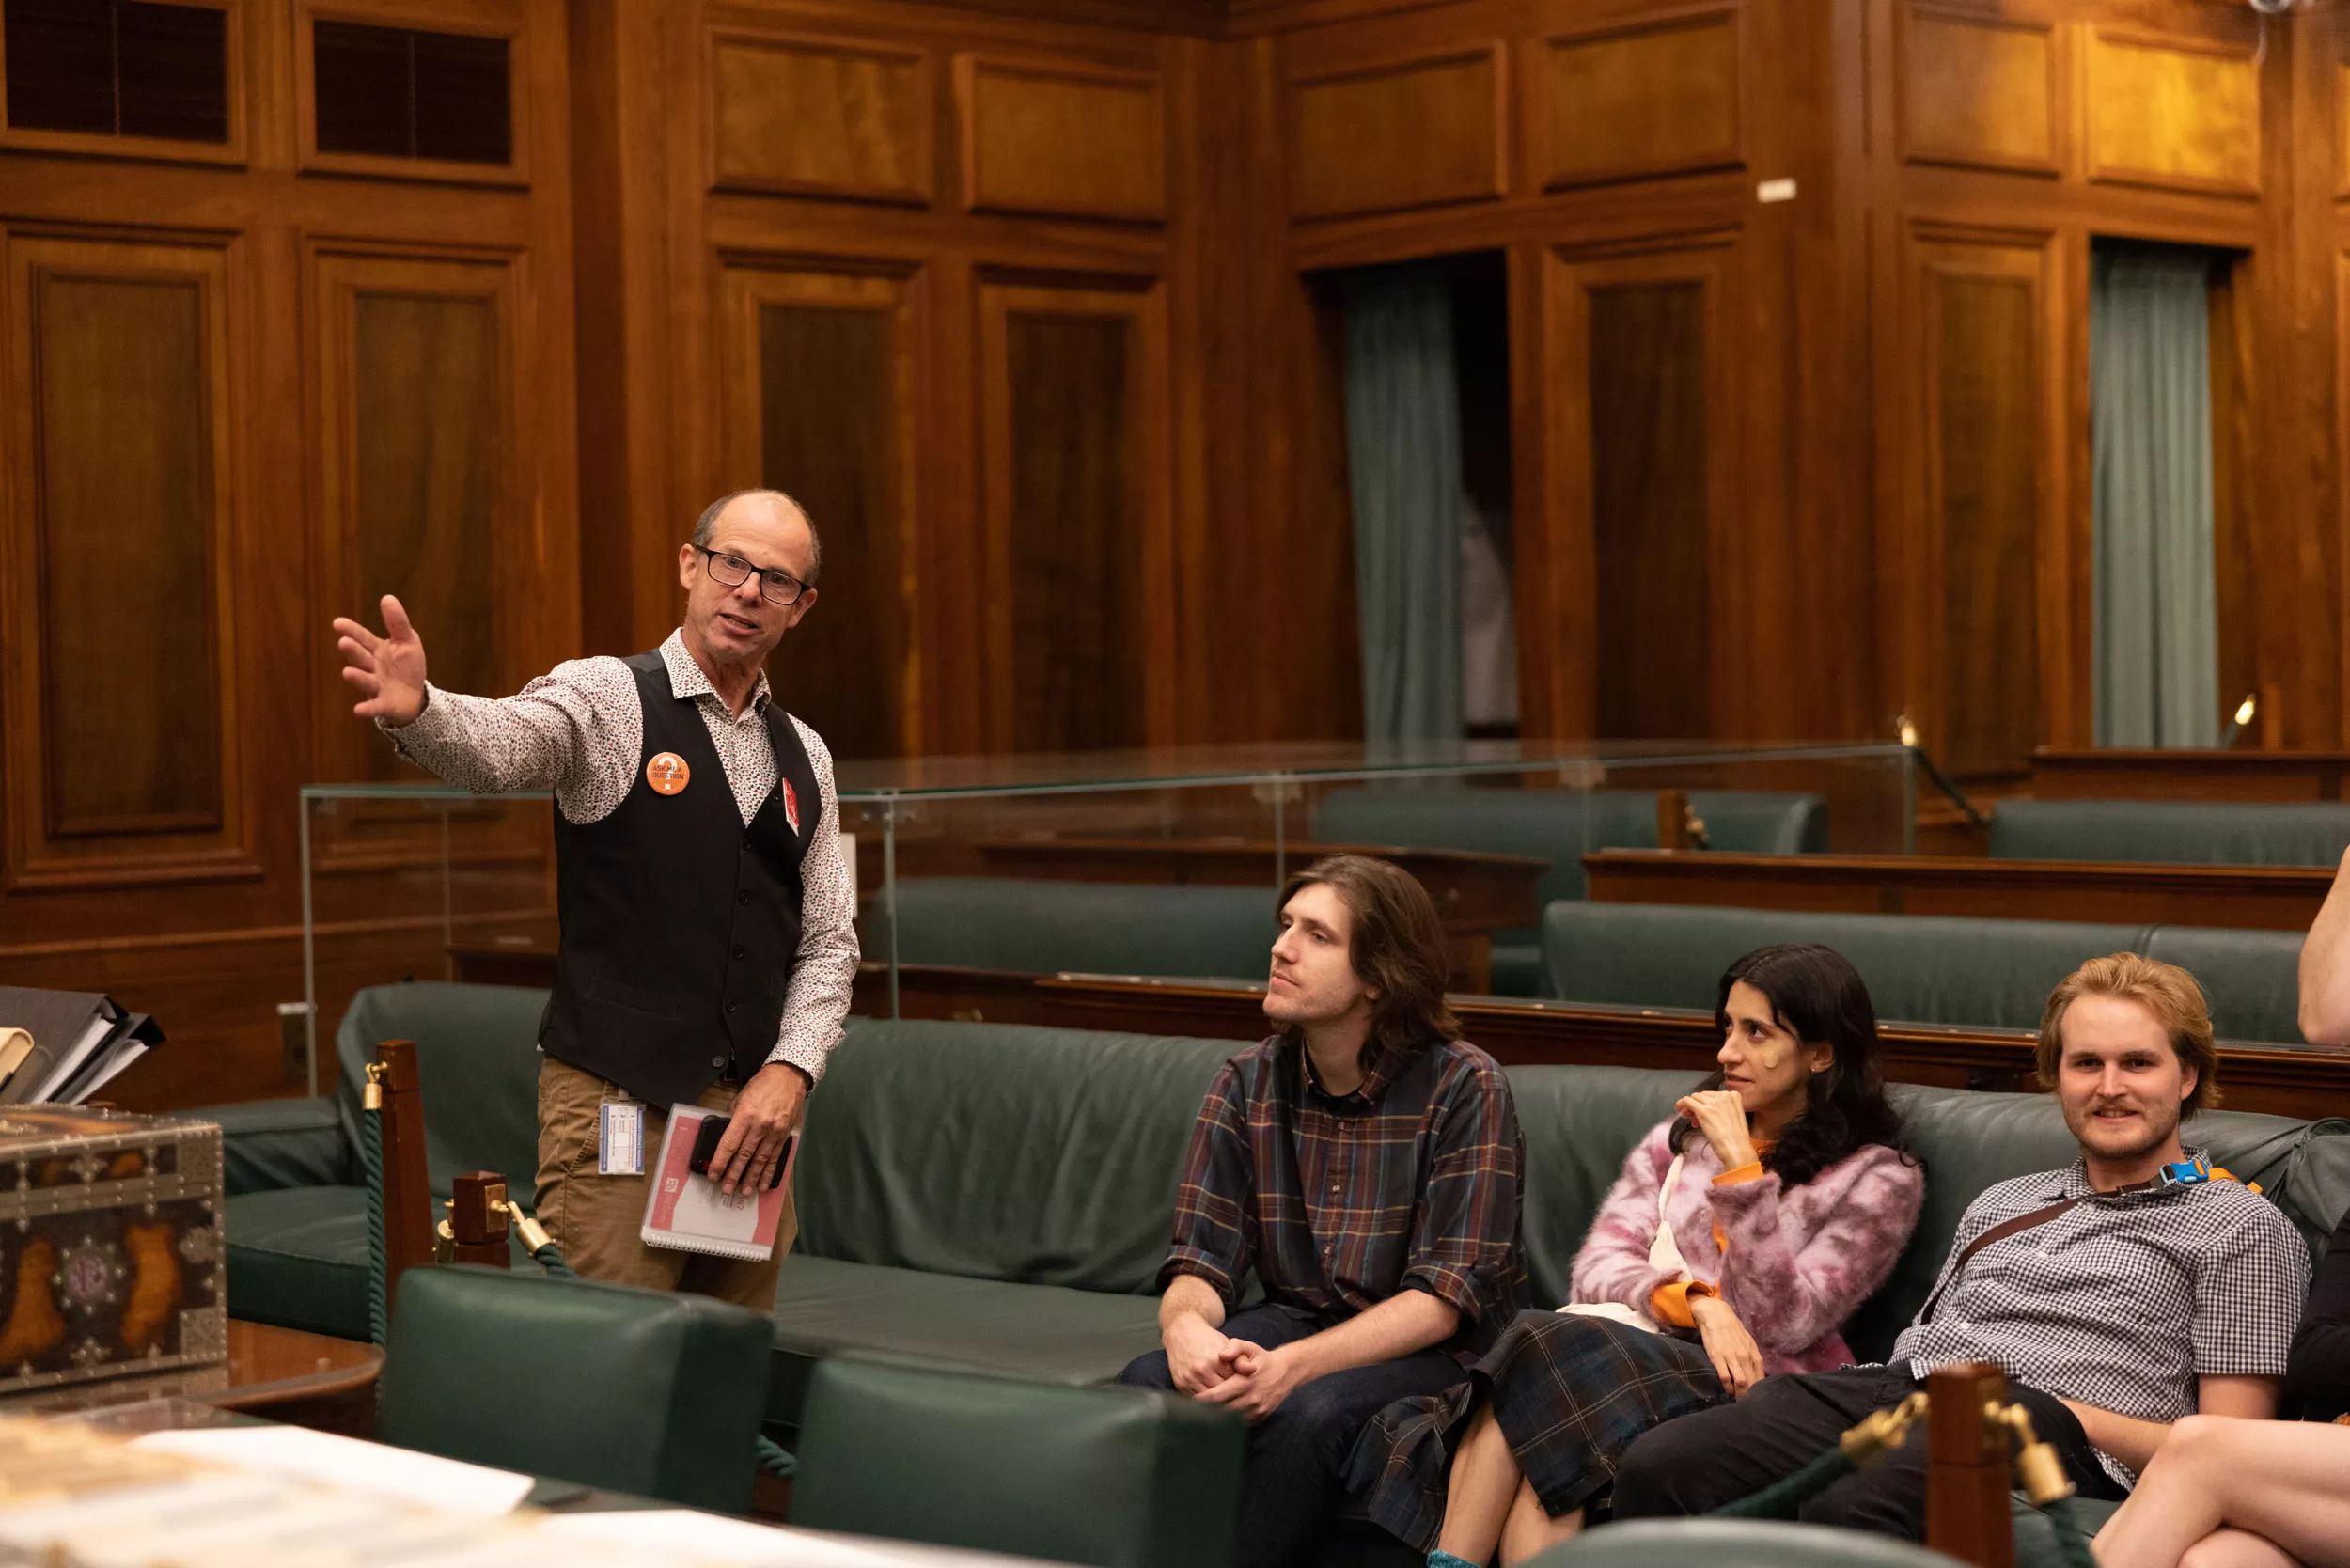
(667,772)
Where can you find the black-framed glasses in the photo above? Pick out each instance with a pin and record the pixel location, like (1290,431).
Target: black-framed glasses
(776,586)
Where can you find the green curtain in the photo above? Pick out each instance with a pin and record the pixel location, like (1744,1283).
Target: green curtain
(1403,462)
(2156,629)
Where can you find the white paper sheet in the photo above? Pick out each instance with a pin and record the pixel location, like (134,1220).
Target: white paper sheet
(292,1451)
(680,1534)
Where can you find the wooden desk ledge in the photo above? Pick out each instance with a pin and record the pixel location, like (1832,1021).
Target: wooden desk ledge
(2262,898)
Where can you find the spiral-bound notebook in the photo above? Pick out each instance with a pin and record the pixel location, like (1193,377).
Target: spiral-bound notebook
(689,1213)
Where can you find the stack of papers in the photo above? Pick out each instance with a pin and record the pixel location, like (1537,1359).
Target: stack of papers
(60,1047)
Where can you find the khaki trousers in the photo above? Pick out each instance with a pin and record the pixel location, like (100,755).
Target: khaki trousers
(597,1220)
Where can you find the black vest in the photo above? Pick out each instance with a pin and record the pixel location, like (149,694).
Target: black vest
(679,924)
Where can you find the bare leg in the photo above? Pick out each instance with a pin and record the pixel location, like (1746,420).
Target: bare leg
(1485,1479)
(1530,1529)
(2281,1481)
(2235,1548)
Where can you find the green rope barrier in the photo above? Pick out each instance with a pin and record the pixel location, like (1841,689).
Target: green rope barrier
(777,1460)
(371,1149)
(1785,1496)
(549,1259)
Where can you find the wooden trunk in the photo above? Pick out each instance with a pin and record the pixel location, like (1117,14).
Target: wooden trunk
(111,1252)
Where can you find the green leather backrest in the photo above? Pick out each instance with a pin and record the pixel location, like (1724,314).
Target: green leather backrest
(997,1152)
(1920,968)
(1563,825)
(654,1392)
(478,1056)
(1121,1478)
(1044,925)
(1735,1543)
(1581,1123)
(2251,980)
(2210,833)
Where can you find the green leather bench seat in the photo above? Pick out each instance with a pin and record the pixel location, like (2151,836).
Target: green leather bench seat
(997,1198)
(1046,1333)
(2200,833)
(1921,968)
(296,1211)
(1559,826)
(483,1365)
(1045,925)
(1122,1478)
(987,1197)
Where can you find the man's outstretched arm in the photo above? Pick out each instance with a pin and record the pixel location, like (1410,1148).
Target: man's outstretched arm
(2325,967)
(575,731)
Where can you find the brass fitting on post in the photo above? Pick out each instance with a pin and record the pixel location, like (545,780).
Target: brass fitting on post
(533,1234)
(1883,1429)
(371,1097)
(2038,1468)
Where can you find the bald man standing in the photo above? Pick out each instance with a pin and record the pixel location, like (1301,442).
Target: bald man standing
(706,910)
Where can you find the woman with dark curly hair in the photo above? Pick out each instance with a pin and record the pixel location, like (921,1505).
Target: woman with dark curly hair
(1742,1234)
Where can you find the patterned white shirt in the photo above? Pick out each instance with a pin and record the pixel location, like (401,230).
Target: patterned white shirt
(579,730)
(2120,1302)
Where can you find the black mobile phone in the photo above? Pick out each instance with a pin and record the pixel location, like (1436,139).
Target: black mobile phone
(714,1128)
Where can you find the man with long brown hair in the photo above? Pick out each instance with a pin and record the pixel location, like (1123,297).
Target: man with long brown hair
(1364,1163)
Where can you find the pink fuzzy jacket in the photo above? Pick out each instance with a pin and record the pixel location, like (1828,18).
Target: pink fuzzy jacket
(1801,1259)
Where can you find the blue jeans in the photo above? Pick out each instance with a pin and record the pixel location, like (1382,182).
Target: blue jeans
(1297,1455)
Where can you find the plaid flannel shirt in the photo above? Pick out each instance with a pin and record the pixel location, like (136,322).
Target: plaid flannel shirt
(1337,1202)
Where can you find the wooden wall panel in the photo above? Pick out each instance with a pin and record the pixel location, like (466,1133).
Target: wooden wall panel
(1636,526)
(2187,115)
(1650,512)
(417,473)
(120,718)
(1416,133)
(825,117)
(821,371)
(1082,637)
(1659,99)
(1990,500)
(1061,140)
(1979,91)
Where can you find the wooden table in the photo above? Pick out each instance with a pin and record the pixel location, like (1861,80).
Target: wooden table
(1476,893)
(287,1374)
(283,1372)
(2264,898)
(2166,775)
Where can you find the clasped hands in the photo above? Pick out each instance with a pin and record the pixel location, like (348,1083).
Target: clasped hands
(1216,1368)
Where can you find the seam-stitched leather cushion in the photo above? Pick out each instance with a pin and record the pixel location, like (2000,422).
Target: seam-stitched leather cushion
(2211,833)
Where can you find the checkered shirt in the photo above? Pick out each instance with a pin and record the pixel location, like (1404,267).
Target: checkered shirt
(579,730)
(2120,1302)
(1339,1201)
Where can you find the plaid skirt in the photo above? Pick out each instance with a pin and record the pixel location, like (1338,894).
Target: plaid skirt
(1571,1393)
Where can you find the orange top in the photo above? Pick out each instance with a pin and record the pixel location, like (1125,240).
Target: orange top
(1669,1304)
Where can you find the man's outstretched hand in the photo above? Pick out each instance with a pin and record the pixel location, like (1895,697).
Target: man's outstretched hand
(388,670)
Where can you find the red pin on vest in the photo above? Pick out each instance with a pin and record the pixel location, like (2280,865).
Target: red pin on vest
(668,773)
(790,806)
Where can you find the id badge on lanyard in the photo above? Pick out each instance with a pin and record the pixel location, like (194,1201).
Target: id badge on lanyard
(620,1139)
